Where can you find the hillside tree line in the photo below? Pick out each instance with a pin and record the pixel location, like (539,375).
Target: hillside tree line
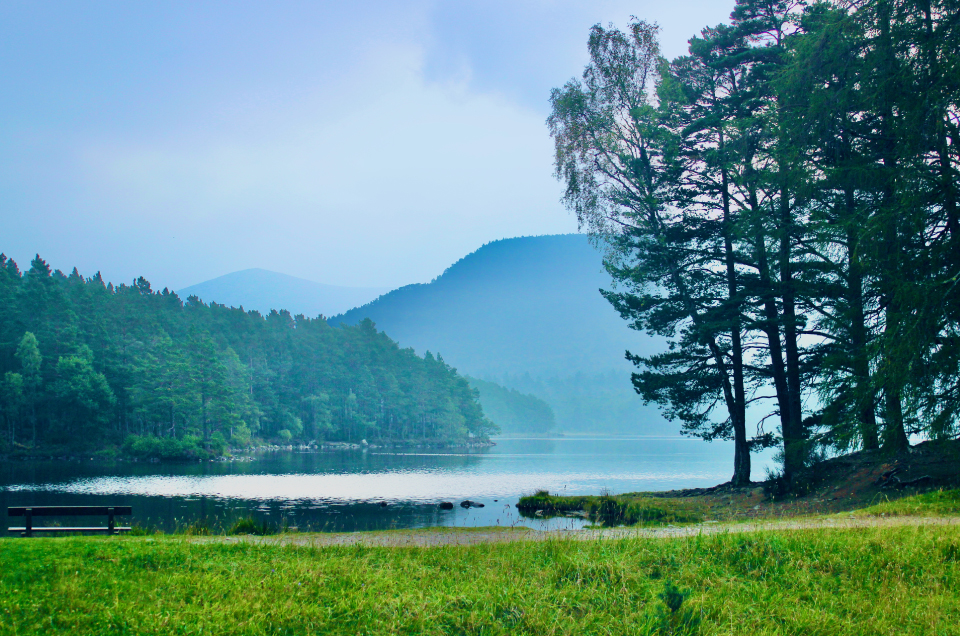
(87,365)
(512,411)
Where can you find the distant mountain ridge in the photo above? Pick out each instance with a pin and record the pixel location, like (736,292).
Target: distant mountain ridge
(263,290)
(514,306)
(526,313)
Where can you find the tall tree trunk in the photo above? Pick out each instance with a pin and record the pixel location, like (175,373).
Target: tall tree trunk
(741,463)
(738,418)
(771,328)
(790,336)
(860,363)
(894,437)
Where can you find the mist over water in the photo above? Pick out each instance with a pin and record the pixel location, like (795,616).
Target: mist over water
(347,490)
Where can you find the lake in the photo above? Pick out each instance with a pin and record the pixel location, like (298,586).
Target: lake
(346,490)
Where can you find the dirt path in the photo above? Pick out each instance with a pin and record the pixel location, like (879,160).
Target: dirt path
(468,536)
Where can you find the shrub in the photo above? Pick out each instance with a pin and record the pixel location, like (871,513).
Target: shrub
(544,502)
(149,447)
(108,453)
(240,436)
(218,444)
(249,525)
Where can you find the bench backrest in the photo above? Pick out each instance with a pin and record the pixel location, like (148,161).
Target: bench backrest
(71,511)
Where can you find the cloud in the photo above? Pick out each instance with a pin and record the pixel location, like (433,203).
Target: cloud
(412,165)
(355,144)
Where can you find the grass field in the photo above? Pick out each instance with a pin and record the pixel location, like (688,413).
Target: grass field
(937,502)
(875,581)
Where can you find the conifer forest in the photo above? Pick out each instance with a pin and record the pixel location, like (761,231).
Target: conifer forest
(86,365)
(782,204)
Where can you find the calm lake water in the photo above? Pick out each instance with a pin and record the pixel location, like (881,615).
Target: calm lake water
(344,490)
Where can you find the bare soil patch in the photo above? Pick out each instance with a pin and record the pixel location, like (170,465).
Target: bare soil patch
(839,484)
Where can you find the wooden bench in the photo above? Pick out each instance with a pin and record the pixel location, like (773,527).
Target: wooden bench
(29,512)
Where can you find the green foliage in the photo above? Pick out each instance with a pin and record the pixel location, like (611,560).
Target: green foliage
(513,411)
(524,313)
(12,403)
(86,365)
(185,449)
(550,504)
(218,444)
(782,204)
(28,353)
(827,581)
(778,487)
(240,436)
(674,620)
(198,528)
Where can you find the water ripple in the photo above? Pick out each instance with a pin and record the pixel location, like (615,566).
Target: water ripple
(409,485)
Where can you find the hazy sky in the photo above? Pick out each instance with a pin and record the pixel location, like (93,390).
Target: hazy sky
(350,143)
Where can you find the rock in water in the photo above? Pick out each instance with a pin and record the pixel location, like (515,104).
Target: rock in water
(446,505)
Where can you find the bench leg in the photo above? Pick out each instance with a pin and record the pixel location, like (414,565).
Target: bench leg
(28,523)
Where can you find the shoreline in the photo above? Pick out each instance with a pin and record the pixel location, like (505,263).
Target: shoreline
(244,454)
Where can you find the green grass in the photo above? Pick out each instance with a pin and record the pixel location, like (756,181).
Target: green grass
(875,581)
(931,504)
(614,510)
(550,504)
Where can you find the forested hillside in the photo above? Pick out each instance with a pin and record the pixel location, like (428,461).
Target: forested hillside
(515,413)
(521,305)
(527,314)
(88,365)
(603,403)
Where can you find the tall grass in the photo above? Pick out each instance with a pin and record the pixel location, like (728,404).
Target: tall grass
(937,502)
(876,581)
(613,510)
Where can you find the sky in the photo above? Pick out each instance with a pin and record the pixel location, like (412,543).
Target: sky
(362,143)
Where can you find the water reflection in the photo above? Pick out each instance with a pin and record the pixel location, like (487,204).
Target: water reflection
(345,490)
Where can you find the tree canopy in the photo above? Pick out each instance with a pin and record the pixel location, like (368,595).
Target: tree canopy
(85,364)
(781,203)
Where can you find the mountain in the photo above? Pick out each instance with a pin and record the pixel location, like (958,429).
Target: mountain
(526,313)
(264,290)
